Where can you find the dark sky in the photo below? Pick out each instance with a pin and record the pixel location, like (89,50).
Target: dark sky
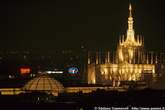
(58,24)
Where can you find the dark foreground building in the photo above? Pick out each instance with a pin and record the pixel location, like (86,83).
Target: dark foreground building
(132,98)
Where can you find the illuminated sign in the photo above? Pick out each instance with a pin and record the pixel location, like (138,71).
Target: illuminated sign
(25,70)
(73,70)
(54,72)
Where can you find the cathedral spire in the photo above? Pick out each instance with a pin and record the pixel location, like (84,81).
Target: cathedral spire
(130,10)
(130,30)
(130,19)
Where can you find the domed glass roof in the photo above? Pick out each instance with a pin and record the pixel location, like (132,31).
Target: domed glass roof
(44,83)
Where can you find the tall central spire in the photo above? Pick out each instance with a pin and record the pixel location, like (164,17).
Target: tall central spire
(130,30)
(130,19)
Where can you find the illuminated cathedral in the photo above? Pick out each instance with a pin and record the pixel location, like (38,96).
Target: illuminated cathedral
(129,63)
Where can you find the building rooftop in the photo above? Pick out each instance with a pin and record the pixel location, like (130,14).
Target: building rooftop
(44,83)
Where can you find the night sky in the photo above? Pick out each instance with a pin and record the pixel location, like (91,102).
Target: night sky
(68,24)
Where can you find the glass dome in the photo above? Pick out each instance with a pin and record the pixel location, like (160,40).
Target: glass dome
(44,83)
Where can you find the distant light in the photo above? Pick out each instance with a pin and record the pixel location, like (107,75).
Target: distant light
(11,76)
(32,75)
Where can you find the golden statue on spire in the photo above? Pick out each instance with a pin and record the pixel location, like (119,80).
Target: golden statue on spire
(130,7)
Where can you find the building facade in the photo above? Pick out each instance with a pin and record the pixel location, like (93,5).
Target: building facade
(130,62)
